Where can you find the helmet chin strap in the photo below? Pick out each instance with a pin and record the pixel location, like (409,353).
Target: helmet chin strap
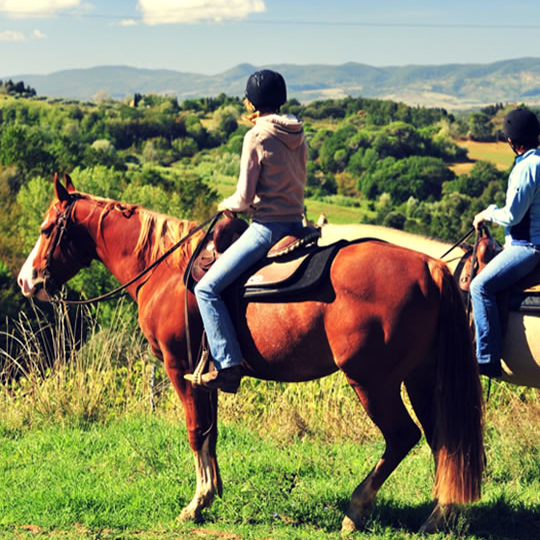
(513,147)
(518,149)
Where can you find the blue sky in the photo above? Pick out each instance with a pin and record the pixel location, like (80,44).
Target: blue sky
(211,36)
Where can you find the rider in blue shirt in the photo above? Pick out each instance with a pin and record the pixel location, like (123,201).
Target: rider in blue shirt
(521,218)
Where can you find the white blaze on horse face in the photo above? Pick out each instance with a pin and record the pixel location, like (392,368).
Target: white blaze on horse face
(27,276)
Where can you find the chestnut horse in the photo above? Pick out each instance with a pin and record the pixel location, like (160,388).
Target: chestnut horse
(384,316)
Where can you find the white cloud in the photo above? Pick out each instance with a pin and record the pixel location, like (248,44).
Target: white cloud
(10,35)
(35,8)
(38,34)
(128,22)
(192,11)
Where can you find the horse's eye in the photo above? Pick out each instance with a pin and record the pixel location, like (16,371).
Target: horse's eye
(46,232)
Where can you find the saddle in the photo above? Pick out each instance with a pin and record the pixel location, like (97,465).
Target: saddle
(294,264)
(522,296)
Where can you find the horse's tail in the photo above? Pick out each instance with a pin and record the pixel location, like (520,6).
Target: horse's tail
(458,437)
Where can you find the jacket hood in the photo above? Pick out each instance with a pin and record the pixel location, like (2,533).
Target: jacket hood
(288,129)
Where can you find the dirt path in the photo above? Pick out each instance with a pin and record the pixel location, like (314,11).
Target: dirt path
(332,233)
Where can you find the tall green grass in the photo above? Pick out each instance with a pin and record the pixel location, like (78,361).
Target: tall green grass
(93,445)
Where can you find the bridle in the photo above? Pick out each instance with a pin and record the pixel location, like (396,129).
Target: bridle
(61,230)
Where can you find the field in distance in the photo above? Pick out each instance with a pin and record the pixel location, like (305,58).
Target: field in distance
(499,153)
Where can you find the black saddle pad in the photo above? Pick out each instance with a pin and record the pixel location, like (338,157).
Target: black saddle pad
(525,302)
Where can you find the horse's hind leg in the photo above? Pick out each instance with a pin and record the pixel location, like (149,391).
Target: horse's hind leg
(385,407)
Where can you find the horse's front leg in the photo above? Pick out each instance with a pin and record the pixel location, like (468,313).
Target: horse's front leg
(200,407)
(208,480)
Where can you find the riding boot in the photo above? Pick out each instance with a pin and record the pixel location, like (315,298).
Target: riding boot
(226,380)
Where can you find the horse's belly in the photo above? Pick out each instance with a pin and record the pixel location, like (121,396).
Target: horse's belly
(521,354)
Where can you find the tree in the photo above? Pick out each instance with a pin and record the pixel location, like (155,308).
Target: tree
(480,127)
(479,177)
(416,176)
(24,147)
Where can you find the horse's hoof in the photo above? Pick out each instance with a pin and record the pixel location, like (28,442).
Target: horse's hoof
(188,514)
(428,528)
(348,526)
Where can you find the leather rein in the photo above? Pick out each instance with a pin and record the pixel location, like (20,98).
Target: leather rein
(60,231)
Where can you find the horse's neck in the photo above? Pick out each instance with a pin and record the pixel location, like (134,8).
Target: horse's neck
(114,237)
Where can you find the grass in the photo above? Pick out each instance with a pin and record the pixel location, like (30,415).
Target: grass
(130,478)
(85,453)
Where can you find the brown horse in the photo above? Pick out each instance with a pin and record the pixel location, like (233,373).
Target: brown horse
(384,316)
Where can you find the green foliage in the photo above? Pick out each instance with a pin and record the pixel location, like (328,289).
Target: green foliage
(25,148)
(480,127)
(480,176)
(415,176)
(33,199)
(179,159)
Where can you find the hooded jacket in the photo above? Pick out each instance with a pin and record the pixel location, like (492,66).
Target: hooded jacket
(272,171)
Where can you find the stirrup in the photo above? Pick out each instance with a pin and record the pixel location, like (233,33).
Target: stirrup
(202,365)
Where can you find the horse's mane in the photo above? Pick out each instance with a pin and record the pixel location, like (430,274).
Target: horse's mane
(158,232)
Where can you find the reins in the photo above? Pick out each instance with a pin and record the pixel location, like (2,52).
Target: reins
(460,241)
(121,290)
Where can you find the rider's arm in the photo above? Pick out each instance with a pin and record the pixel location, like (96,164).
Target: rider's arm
(250,168)
(522,187)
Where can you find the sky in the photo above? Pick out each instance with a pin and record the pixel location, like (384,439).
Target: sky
(212,36)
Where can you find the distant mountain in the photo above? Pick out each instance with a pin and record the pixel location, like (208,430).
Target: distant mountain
(452,86)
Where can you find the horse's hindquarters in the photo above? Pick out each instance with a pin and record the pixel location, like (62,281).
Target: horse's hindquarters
(521,353)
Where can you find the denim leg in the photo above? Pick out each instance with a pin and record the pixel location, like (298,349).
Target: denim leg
(508,267)
(252,246)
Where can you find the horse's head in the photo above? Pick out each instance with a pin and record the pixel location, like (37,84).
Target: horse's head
(61,250)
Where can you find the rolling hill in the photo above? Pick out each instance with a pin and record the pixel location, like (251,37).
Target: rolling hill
(453,86)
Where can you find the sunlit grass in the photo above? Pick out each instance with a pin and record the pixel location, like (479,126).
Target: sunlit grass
(93,445)
(498,153)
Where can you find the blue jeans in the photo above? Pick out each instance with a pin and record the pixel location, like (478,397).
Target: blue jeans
(252,246)
(508,267)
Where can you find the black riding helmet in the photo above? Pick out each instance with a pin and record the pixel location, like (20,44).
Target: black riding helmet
(266,90)
(522,127)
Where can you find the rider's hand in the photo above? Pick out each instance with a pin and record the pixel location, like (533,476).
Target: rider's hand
(226,212)
(479,219)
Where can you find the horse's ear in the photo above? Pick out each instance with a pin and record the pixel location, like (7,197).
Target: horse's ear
(69,183)
(60,191)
